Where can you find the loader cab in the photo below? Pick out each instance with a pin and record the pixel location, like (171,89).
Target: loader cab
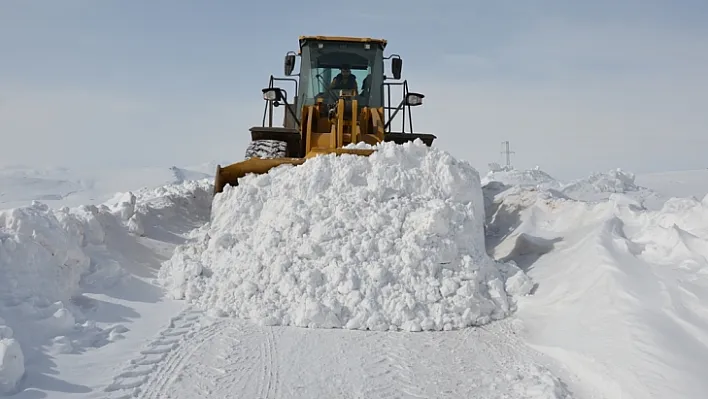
(321,59)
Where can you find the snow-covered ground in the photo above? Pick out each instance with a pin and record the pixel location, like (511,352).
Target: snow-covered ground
(616,271)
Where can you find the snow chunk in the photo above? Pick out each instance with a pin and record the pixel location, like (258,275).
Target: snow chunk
(12,365)
(390,241)
(360,146)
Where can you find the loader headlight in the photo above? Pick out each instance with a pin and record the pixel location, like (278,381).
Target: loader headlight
(414,99)
(272,94)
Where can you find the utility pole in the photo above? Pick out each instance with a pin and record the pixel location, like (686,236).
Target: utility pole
(507,153)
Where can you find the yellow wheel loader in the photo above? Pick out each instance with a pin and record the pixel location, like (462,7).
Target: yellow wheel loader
(342,96)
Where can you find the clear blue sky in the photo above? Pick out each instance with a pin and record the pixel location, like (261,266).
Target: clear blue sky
(575,87)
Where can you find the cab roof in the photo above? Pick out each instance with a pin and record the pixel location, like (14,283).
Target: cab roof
(342,39)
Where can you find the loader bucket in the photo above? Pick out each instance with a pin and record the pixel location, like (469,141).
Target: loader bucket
(230,174)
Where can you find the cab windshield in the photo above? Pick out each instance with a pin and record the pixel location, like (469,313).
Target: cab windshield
(334,67)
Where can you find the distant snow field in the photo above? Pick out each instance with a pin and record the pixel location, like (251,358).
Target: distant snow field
(594,288)
(19,185)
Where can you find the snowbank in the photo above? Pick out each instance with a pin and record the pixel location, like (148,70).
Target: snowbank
(597,186)
(37,255)
(391,241)
(615,184)
(156,212)
(612,181)
(621,296)
(12,360)
(48,256)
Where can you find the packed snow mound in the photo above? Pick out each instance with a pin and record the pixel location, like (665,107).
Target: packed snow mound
(516,177)
(153,211)
(613,181)
(42,260)
(37,256)
(42,250)
(390,241)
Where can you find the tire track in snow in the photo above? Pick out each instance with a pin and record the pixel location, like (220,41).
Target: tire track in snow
(226,366)
(159,355)
(173,364)
(270,371)
(525,371)
(401,359)
(239,361)
(389,373)
(197,356)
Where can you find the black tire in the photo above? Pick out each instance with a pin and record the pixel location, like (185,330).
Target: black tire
(267,149)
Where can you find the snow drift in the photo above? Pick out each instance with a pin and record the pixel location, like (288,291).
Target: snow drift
(621,297)
(390,241)
(48,257)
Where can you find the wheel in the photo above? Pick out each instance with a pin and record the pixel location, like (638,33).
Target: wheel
(267,149)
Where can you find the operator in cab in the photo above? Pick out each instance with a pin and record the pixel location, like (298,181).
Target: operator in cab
(344,80)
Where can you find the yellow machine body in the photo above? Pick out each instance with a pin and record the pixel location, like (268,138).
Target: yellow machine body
(331,120)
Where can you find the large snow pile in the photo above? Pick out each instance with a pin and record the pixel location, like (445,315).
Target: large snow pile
(390,241)
(49,256)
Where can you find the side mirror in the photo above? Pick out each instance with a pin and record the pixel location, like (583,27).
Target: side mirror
(396,66)
(289,64)
(414,99)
